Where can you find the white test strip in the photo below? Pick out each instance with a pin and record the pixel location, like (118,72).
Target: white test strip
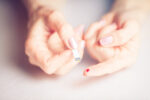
(76,54)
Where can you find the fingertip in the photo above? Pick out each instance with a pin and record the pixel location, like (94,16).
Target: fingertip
(86,71)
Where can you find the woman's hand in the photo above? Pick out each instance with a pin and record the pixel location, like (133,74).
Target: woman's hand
(113,41)
(51,40)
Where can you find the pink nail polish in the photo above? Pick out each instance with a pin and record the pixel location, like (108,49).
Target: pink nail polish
(106,40)
(73,43)
(87,70)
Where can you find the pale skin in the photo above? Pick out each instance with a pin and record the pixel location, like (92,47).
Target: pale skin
(113,41)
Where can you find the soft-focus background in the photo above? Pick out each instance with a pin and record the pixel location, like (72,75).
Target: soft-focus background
(21,81)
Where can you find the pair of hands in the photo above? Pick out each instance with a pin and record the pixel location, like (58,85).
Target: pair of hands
(113,41)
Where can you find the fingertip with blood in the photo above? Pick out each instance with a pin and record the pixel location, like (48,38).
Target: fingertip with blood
(86,71)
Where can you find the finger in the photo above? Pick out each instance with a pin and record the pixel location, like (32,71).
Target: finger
(64,30)
(65,58)
(121,36)
(57,61)
(79,31)
(101,53)
(94,28)
(104,68)
(108,17)
(107,29)
(55,43)
(98,52)
(110,66)
(71,63)
(122,60)
(37,31)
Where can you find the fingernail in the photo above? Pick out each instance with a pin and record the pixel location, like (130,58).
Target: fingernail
(73,43)
(87,70)
(106,40)
(82,44)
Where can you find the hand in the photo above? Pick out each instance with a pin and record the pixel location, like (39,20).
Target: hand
(113,41)
(51,40)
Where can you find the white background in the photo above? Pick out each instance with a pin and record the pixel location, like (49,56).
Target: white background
(21,81)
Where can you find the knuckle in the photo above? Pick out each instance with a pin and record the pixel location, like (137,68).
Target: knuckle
(47,66)
(31,61)
(48,70)
(60,73)
(29,47)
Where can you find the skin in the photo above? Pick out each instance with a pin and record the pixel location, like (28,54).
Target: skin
(123,26)
(121,53)
(49,32)
(46,43)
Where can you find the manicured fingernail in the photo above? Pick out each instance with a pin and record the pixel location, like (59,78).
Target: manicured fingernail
(106,40)
(82,44)
(87,70)
(73,43)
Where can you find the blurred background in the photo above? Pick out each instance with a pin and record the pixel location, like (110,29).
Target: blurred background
(21,81)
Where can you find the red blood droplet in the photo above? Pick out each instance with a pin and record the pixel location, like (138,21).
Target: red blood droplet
(87,70)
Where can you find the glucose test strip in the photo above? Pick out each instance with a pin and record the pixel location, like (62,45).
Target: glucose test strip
(76,54)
